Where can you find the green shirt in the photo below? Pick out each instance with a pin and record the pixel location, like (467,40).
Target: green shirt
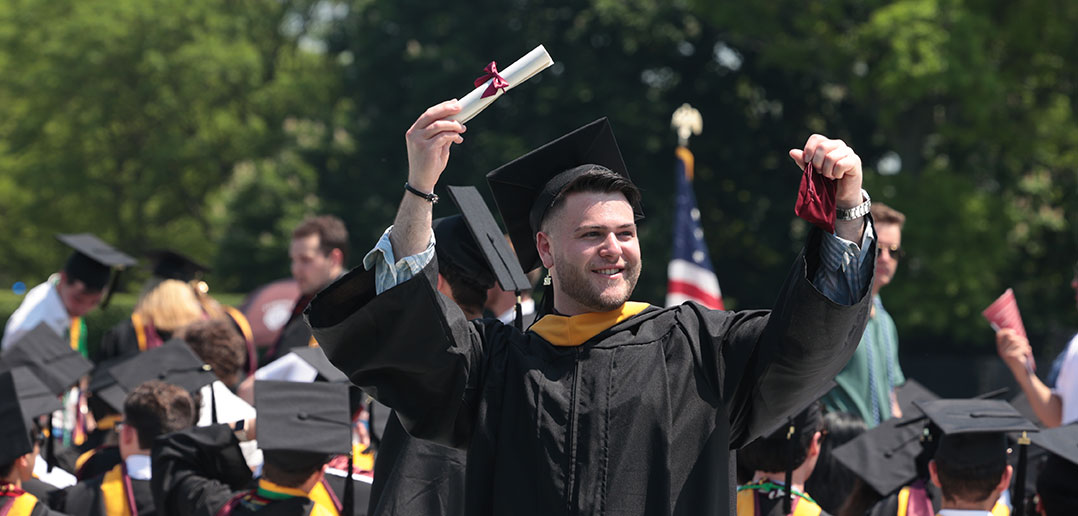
(872,372)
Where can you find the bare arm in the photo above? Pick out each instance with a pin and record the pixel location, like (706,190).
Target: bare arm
(1015,351)
(428,141)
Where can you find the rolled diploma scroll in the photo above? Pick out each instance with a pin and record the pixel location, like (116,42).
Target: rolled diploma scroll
(523,69)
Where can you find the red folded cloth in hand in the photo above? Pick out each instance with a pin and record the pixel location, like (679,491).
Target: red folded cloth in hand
(816,200)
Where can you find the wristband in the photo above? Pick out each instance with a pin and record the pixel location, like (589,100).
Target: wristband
(429,197)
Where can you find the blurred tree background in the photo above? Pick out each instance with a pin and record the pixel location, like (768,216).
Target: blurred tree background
(214,127)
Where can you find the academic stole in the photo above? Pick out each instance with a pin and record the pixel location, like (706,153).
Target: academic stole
(117,492)
(21,504)
(77,338)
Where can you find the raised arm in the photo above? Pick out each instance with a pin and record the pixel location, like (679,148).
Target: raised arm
(1015,351)
(428,141)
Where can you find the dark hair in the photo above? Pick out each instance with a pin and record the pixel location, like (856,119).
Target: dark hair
(1055,486)
(330,230)
(156,408)
(218,344)
(831,483)
(291,468)
(5,469)
(772,452)
(596,180)
(884,214)
(968,483)
(467,292)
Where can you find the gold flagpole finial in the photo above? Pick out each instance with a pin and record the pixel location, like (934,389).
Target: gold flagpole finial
(687,122)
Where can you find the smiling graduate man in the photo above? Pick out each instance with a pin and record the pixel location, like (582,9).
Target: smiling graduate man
(603,406)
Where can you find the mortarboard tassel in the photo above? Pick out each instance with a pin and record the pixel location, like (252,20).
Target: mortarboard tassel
(113,283)
(349,490)
(213,404)
(519,322)
(50,447)
(787,499)
(1019,499)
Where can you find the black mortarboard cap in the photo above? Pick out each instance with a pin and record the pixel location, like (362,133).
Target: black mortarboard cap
(303,417)
(169,264)
(525,187)
(104,386)
(912,391)
(174,362)
(23,397)
(497,254)
(93,260)
(1061,441)
(969,416)
(975,435)
(885,457)
(455,246)
(49,356)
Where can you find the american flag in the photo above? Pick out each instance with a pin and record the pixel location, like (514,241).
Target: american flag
(689,275)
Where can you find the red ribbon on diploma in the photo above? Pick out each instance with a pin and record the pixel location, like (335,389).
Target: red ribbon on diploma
(499,82)
(816,200)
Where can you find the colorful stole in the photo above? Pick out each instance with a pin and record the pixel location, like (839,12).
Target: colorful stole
(913,500)
(117,493)
(145,333)
(248,337)
(21,504)
(746,500)
(561,330)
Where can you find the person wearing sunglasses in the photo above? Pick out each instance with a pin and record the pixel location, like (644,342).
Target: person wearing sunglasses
(866,386)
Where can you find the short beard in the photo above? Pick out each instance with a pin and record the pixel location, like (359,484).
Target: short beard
(574,283)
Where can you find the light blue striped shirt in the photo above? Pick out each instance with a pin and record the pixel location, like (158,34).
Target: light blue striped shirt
(843,275)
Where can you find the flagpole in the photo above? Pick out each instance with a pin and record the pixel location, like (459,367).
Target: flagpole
(690,276)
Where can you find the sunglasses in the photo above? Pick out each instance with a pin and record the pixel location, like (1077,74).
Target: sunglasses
(895,251)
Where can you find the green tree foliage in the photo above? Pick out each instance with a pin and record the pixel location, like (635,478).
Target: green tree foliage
(978,102)
(122,117)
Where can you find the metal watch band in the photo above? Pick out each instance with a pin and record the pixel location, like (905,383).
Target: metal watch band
(857,211)
(429,197)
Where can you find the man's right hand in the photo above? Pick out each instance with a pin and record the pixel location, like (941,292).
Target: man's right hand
(428,142)
(1014,349)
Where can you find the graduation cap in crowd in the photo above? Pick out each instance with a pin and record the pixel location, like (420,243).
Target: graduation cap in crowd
(912,391)
(305,424)
(473,242)
(169,264)
(974,436)
(526,187)
(1055,484)
(173,362)
(888,456)
(307,365)
(23,398)
(93,263)
(49,356)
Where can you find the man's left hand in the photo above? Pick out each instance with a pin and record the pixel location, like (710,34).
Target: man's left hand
(836,160)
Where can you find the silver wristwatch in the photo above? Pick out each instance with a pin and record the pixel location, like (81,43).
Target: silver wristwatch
(857,211)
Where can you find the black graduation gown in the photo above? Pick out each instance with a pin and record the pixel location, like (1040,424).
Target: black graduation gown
(44,492)
(120,341)
(197,470)
(67,458)
(87,499)
(413,476)
(104,459)
(637,420)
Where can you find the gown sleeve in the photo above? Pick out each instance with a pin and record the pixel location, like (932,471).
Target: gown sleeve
(409,347)
(768,365)
(195,471)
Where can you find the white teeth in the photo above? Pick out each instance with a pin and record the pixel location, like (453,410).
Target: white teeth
(608,271)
